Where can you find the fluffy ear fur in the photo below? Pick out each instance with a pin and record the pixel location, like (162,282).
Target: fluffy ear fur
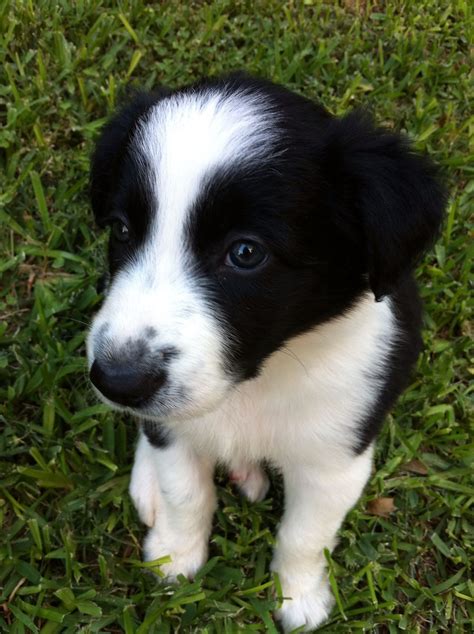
(396,196)
(112,145)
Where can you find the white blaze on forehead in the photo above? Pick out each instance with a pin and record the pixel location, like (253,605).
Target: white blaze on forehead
(186,137)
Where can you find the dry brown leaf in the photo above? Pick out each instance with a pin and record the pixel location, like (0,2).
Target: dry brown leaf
(381,506)
(415,466)
(355,6)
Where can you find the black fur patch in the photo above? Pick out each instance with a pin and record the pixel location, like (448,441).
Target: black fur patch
(157,434)
(118,188)
(398,372)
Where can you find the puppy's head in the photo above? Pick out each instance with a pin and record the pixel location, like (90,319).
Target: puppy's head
(240,215)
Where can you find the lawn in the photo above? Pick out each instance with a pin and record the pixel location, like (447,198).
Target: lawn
(70,557)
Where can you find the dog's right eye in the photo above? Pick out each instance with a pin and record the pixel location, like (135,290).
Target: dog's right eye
(120,231)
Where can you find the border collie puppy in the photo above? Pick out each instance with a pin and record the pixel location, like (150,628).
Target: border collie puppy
(260,307)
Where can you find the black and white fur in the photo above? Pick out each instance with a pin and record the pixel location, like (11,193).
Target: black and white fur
(295,360)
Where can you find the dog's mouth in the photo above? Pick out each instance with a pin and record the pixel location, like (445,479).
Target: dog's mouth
(155,400)
(155,406)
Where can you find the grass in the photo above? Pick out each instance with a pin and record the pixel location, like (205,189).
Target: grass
(70,556)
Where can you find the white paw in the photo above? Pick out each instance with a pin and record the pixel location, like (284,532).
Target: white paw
(145,492)
(187,556)
(308,608)
(252,481)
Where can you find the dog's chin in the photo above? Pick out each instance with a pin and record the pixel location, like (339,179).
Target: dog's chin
(167,411)
(175,413)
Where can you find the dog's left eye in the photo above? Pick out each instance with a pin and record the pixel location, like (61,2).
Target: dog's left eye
(120,231)
(246,254)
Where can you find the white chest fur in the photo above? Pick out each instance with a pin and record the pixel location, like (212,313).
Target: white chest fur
(309,397)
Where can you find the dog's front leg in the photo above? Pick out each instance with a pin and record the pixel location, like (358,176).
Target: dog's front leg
(316,500)
(173,491)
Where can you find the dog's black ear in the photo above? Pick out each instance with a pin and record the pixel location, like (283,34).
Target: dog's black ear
(393,198)
(111,147)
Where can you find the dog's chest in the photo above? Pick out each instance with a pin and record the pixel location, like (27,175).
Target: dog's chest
(310,397)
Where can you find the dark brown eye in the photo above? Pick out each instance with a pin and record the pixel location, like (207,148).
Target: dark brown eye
(246,254)
(120,231)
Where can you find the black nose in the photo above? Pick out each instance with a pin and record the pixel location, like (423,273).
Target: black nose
(124,384)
